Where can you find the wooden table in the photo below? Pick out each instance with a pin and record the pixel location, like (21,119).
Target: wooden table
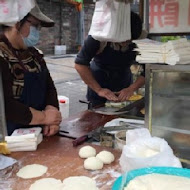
(84,122)
(62,160)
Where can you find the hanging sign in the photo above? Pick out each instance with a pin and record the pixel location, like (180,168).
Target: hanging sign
(169,16)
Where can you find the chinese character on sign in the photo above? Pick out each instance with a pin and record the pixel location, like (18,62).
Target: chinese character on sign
(166,12)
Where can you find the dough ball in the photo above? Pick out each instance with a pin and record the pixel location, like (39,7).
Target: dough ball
(93,163)
(147,152)
(79,183)
(47,184)
(151,152)
(87,151)
(106,157)
(32,171)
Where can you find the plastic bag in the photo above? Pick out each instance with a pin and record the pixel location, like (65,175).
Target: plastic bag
(12,11)
(143,150)
(111,21)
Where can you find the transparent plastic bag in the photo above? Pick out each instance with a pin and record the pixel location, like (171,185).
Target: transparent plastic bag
(142,150)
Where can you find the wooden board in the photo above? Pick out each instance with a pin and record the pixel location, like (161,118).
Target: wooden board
(62,160)
(83,123)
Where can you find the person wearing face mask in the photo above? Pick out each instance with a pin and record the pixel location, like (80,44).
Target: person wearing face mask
(29,92)
(105,67)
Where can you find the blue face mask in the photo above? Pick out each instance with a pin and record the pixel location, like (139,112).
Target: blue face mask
(33,37)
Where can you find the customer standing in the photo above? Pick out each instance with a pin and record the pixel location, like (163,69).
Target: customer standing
(29,92)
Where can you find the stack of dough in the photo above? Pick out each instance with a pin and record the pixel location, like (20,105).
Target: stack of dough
(93,161)
(24,139)
(159,182)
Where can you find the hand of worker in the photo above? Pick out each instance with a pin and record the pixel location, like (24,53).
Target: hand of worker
(108,94)
(51,107)
(50,130)
(52,117)
(125,94)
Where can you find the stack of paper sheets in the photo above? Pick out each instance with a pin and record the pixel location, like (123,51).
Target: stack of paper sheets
(172,52)
(24,139)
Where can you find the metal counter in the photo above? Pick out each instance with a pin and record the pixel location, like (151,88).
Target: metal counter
(3,128)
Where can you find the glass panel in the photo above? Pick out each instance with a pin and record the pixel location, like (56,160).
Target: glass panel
(179,142)
(171,83)
(171,110)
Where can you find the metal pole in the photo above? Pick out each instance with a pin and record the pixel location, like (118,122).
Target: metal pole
(81,26)
(3,126)
(60,23)
(146,15)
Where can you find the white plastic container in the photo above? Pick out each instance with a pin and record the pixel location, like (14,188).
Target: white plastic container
(119,139)
(64,106)
(60,50)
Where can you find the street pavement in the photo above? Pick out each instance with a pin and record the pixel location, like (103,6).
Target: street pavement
(67,81)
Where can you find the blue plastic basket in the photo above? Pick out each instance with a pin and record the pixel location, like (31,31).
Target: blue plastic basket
(143,171)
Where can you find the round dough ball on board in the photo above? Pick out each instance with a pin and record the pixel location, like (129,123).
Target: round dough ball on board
(87,151)
(79,183)
(93,163)
(32,171)
(106,157)
(47,184)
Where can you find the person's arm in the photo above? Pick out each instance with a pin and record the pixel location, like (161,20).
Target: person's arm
(87,77)
(126,93)
(46,117)
(82,63)
(50,130)
(18,112)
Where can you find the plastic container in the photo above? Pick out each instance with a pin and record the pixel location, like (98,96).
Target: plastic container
(60,50)
(64,106)
(120,139)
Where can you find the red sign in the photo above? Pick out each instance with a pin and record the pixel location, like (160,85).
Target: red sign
(169,16)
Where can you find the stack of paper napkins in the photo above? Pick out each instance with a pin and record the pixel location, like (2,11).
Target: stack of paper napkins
(26,139)
(172,52)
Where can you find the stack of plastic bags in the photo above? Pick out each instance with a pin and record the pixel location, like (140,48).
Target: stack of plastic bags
(172,52)
(111,21)
(24,139)
(13,11)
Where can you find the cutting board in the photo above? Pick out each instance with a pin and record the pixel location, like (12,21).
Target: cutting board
(62,160)
(84,122)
